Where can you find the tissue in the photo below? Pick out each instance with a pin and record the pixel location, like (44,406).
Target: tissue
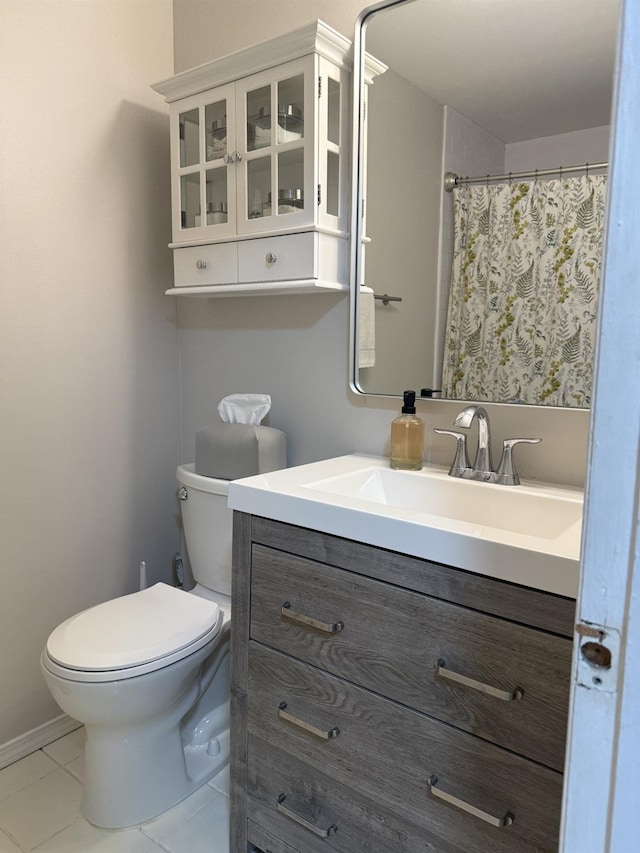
(244,408)
(238,446)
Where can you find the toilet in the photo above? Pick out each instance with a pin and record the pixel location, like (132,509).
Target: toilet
(148,675)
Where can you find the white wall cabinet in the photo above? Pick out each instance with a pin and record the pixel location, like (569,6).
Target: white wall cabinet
(259,168)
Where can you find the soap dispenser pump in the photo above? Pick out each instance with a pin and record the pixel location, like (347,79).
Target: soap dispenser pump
(407,436)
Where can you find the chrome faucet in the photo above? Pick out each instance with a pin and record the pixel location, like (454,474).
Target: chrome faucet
(482,469)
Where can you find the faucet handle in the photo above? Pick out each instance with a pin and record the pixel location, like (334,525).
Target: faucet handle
(506,473)
(460,464)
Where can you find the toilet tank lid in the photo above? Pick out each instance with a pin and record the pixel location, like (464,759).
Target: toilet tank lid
(186,475)
(133,629)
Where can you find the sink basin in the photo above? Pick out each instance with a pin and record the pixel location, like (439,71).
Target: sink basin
(527,534)
(538,512)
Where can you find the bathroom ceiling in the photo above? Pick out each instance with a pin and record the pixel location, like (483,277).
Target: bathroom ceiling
(518,68)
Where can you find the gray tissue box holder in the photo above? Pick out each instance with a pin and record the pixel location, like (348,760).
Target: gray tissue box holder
(231,451)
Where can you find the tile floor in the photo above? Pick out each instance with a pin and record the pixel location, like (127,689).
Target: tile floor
(40,811)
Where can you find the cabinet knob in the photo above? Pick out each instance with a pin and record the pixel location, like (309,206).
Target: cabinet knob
(271,258)
(237,157)
(227,159)
(201,264)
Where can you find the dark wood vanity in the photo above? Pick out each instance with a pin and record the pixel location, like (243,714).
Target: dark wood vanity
(381,702)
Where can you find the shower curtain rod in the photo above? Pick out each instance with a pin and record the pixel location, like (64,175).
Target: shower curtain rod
(452,180)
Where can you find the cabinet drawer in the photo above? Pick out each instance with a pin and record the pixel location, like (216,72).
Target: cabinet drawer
(277,258)
(323,814)
(265,841)
(532,607)
(206,265)
(389,753)
(501,681)
(344,821)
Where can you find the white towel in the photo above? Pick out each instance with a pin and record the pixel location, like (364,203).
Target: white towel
(366,328)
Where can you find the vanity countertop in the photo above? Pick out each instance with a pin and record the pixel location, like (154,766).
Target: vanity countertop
(528,534)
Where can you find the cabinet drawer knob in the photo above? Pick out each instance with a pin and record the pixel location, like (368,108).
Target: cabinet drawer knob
(507,820)
(201,264)
(288,615)
(450,675)
(321,833)
(285,715)
(271,257)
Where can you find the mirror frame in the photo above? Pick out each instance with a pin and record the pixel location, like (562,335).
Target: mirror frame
(357,187)
(356,224)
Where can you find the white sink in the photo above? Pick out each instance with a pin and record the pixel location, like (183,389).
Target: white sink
(538,512)
(527,534)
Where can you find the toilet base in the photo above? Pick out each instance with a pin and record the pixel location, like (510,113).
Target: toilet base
(163,774)
(208,750)
(150,740)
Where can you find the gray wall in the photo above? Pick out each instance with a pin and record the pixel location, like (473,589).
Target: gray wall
(569,149)
(89,420)
(296,348)
(402,261)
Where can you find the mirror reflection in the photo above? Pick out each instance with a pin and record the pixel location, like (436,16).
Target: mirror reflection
(482,188)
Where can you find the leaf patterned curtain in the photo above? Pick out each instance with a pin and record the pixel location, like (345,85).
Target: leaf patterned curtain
(524,291)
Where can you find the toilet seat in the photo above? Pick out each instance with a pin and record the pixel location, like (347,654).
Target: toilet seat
(132,635)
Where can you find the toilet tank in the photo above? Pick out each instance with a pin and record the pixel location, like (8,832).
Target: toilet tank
(207,523)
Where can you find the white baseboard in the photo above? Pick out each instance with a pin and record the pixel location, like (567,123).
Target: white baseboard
(14,750)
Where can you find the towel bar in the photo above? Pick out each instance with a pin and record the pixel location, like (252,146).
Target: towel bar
(386,299)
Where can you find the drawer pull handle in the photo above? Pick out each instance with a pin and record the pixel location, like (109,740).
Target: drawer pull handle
(271,257)
(283,714)
(201,265)
(504,695)
(307,621)
(321,833)
(507,820)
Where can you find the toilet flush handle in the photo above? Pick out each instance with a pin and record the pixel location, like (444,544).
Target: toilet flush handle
(183,494)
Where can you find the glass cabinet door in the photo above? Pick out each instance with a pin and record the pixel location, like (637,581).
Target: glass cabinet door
(275,178)
(217,157)
(265,153)
(206,134)
(257,136)
(189,155)
(332,126)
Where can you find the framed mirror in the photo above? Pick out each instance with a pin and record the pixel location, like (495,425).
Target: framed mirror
(482,140)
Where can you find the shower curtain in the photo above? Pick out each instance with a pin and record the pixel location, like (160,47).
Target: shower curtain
(524,291)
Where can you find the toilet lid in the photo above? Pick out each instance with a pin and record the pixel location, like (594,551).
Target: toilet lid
(134,629)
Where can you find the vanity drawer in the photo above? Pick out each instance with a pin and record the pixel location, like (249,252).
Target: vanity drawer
(277,258)
(391,808)
(504,682)
(265,841)
(337,818)
(390,752)
(206,265)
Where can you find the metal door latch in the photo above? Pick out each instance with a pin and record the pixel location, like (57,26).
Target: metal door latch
(598,656)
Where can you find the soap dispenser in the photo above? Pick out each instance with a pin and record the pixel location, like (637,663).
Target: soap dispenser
(407,436)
